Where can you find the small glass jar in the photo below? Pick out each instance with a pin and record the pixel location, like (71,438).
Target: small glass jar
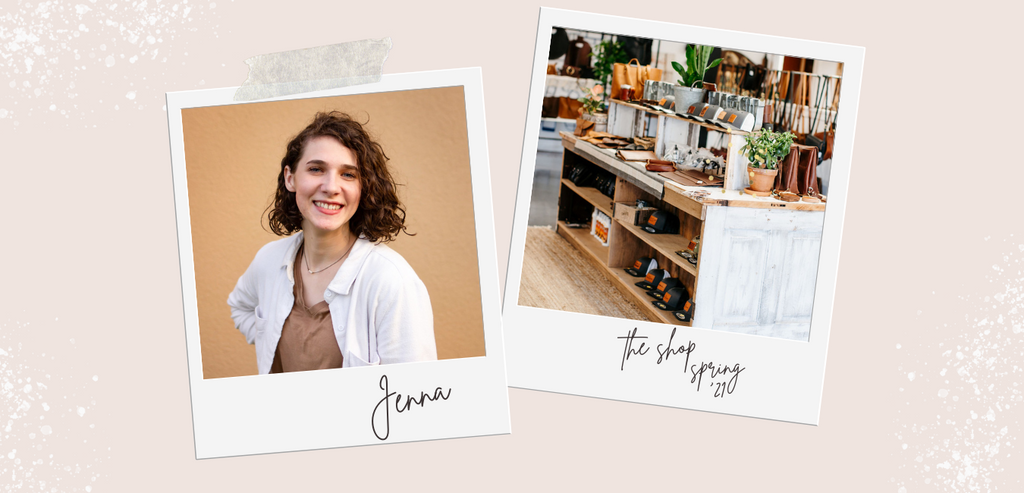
(672,155)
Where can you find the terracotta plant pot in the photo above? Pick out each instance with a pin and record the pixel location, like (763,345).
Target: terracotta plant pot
(761,180)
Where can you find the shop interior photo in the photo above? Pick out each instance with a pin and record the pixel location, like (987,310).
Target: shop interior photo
(680,184)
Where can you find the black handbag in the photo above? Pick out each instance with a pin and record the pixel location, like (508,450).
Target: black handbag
(753,77)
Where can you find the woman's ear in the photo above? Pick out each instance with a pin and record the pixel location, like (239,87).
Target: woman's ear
(288,179)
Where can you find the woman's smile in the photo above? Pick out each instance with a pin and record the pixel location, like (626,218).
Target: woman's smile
(327,207)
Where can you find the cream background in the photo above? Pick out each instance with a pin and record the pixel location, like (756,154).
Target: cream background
(91,257)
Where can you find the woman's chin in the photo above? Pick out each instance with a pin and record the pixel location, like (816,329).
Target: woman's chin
(327,227)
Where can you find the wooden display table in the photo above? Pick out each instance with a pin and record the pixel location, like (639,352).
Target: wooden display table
(758,256)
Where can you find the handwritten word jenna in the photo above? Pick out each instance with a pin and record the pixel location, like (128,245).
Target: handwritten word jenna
(400,406)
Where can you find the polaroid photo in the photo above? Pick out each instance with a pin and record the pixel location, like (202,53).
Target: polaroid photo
(339,280)
(650,262)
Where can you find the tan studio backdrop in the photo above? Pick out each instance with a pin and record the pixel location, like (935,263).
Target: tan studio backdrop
(233,156)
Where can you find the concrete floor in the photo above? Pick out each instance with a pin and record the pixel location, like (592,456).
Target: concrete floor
(547,176)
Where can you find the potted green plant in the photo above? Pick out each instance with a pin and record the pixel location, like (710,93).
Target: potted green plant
(606,54)
(764,151)
(690,90)
(593,108)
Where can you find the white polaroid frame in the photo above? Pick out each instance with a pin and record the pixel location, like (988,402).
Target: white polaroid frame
(335,408)
(583,354)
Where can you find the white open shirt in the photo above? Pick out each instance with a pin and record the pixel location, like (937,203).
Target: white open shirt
(379,307)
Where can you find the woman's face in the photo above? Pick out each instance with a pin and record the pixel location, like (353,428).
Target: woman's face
(326,184)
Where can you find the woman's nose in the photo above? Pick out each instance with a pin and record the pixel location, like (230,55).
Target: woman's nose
(331,183)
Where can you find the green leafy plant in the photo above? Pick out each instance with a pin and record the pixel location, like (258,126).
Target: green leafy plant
(765,148)
(606,54)
(697,65)
(592,101)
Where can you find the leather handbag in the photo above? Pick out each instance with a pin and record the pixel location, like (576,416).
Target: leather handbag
(577,58)
(753,77)
(632,75)
(571,71)
(583,127)
(824,141)
(659,165)
(631,155)
(569,108)
(816,140)
(807,172)
(785,179)
(550,108)
(798,171)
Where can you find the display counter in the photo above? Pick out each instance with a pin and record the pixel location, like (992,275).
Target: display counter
(758,256)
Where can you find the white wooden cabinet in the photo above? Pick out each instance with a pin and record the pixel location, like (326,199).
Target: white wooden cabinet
(758,269)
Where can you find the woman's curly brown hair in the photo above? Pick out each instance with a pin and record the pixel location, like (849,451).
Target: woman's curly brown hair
(379,217)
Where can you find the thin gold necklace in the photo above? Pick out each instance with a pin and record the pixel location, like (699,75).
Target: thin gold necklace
(305,259)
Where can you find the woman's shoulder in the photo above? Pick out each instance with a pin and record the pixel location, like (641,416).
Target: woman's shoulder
(382,256)
(391,274)
(390,268)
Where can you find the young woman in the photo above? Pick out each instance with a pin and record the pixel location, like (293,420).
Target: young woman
(333,295)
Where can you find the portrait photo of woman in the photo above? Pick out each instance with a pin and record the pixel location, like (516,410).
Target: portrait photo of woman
(340,230)
(331,293)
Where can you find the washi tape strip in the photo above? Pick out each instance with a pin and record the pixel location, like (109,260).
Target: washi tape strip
(314,69)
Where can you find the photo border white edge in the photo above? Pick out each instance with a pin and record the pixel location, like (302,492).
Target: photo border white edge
(333,408)
(581,354)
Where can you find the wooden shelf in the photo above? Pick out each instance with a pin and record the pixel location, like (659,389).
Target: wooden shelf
(592,195)
(558,120)
(685,203)
(583,241)
(638,107)
(650,182)
(665,244)
(708,126)
(641,298)
(679,196)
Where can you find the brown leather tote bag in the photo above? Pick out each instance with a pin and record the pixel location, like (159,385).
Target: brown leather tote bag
(569,108)
(807,173)
(785,179)
(798,171)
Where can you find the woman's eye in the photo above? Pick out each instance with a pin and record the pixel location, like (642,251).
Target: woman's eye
(314,169)
(350,175)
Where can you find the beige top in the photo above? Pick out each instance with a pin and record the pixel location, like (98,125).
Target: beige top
(307,338)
